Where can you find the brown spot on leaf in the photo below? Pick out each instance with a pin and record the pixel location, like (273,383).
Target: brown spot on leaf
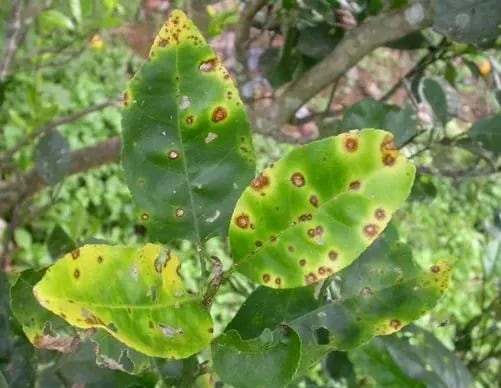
(179,213)
(290,248)
(321,270)
(162,42)
(189,120)
(302,262)
(125,99)
(333,255)
(298,180)
(208,65)
(145,217)
(380,214)
(260,182)
(278,281)
(388,144)
(75,254)
(219,114)
(355,185)
(388,160)
(314,200)
(319,230)
(211,330)
(258,243)
(311,232)
(100,259)
(76,273)
(273,238)
(371,230)
(311,278)
(266,277)
(242,221)
(395,323)
(351,144)
(435,268)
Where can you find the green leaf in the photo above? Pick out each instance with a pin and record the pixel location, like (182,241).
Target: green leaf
(52,157)
(76,10)
(187,150)
(317,209)
(486,132)
(134,293)
(385,359)
(271,360)
(338,367)
(44,329)
(53,19)
(377,295)
(435,96)
(370,113)
(59,242)
(468,21)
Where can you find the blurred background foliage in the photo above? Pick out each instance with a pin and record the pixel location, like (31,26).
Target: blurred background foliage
(439,94)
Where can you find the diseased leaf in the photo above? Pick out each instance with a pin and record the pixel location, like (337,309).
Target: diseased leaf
(187,148)
(418,355)
(318,208)
(377,295)
(271,360)
(44,329)
(134,293)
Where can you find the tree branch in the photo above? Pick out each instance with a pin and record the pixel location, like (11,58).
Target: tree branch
(372,33)
(19,188)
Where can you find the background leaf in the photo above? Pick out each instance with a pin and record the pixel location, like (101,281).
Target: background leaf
(318,208)
(435,96)
(187,150)
(135,294)
(52,157)
(487,133)
(59,242)
(267,361)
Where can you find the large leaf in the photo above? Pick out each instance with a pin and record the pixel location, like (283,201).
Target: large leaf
(468,21)
(370,113)
(418,357)
(135,294)
(317,209)
(271,360)
(377,295)
(44,329)
(187,148)
(487,133)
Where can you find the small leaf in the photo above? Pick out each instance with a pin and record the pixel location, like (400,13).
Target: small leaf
(76,10)
(370,113)
(437,99)
(487,133)
(317,209)
(187,145)
(52,157)
(44,329)
(59,242)
(135,294)
(257,363)
(53,19)
(411,355)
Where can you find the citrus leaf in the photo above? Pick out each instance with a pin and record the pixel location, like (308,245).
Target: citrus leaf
(317,209)
(486,132)
(44,329)
(187,147)
(135,294)
(270,360)
(52,157)
(437,99)
(377,295)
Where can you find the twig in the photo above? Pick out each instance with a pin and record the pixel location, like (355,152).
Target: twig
(11,44)
(54,124)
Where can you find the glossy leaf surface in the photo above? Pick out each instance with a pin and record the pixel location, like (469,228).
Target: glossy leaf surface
(317,209)
(377,295)
(187,148)
(134,293)
(271,360)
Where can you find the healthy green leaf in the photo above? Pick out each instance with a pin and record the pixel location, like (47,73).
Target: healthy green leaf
(370,113)
(187,148)
(44,329)
(317,209)
(487,133)
(59,242)
(52,157)
(377,295)
(385,359)
(437,99)
(134,293)
(271,360)
(53,19)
